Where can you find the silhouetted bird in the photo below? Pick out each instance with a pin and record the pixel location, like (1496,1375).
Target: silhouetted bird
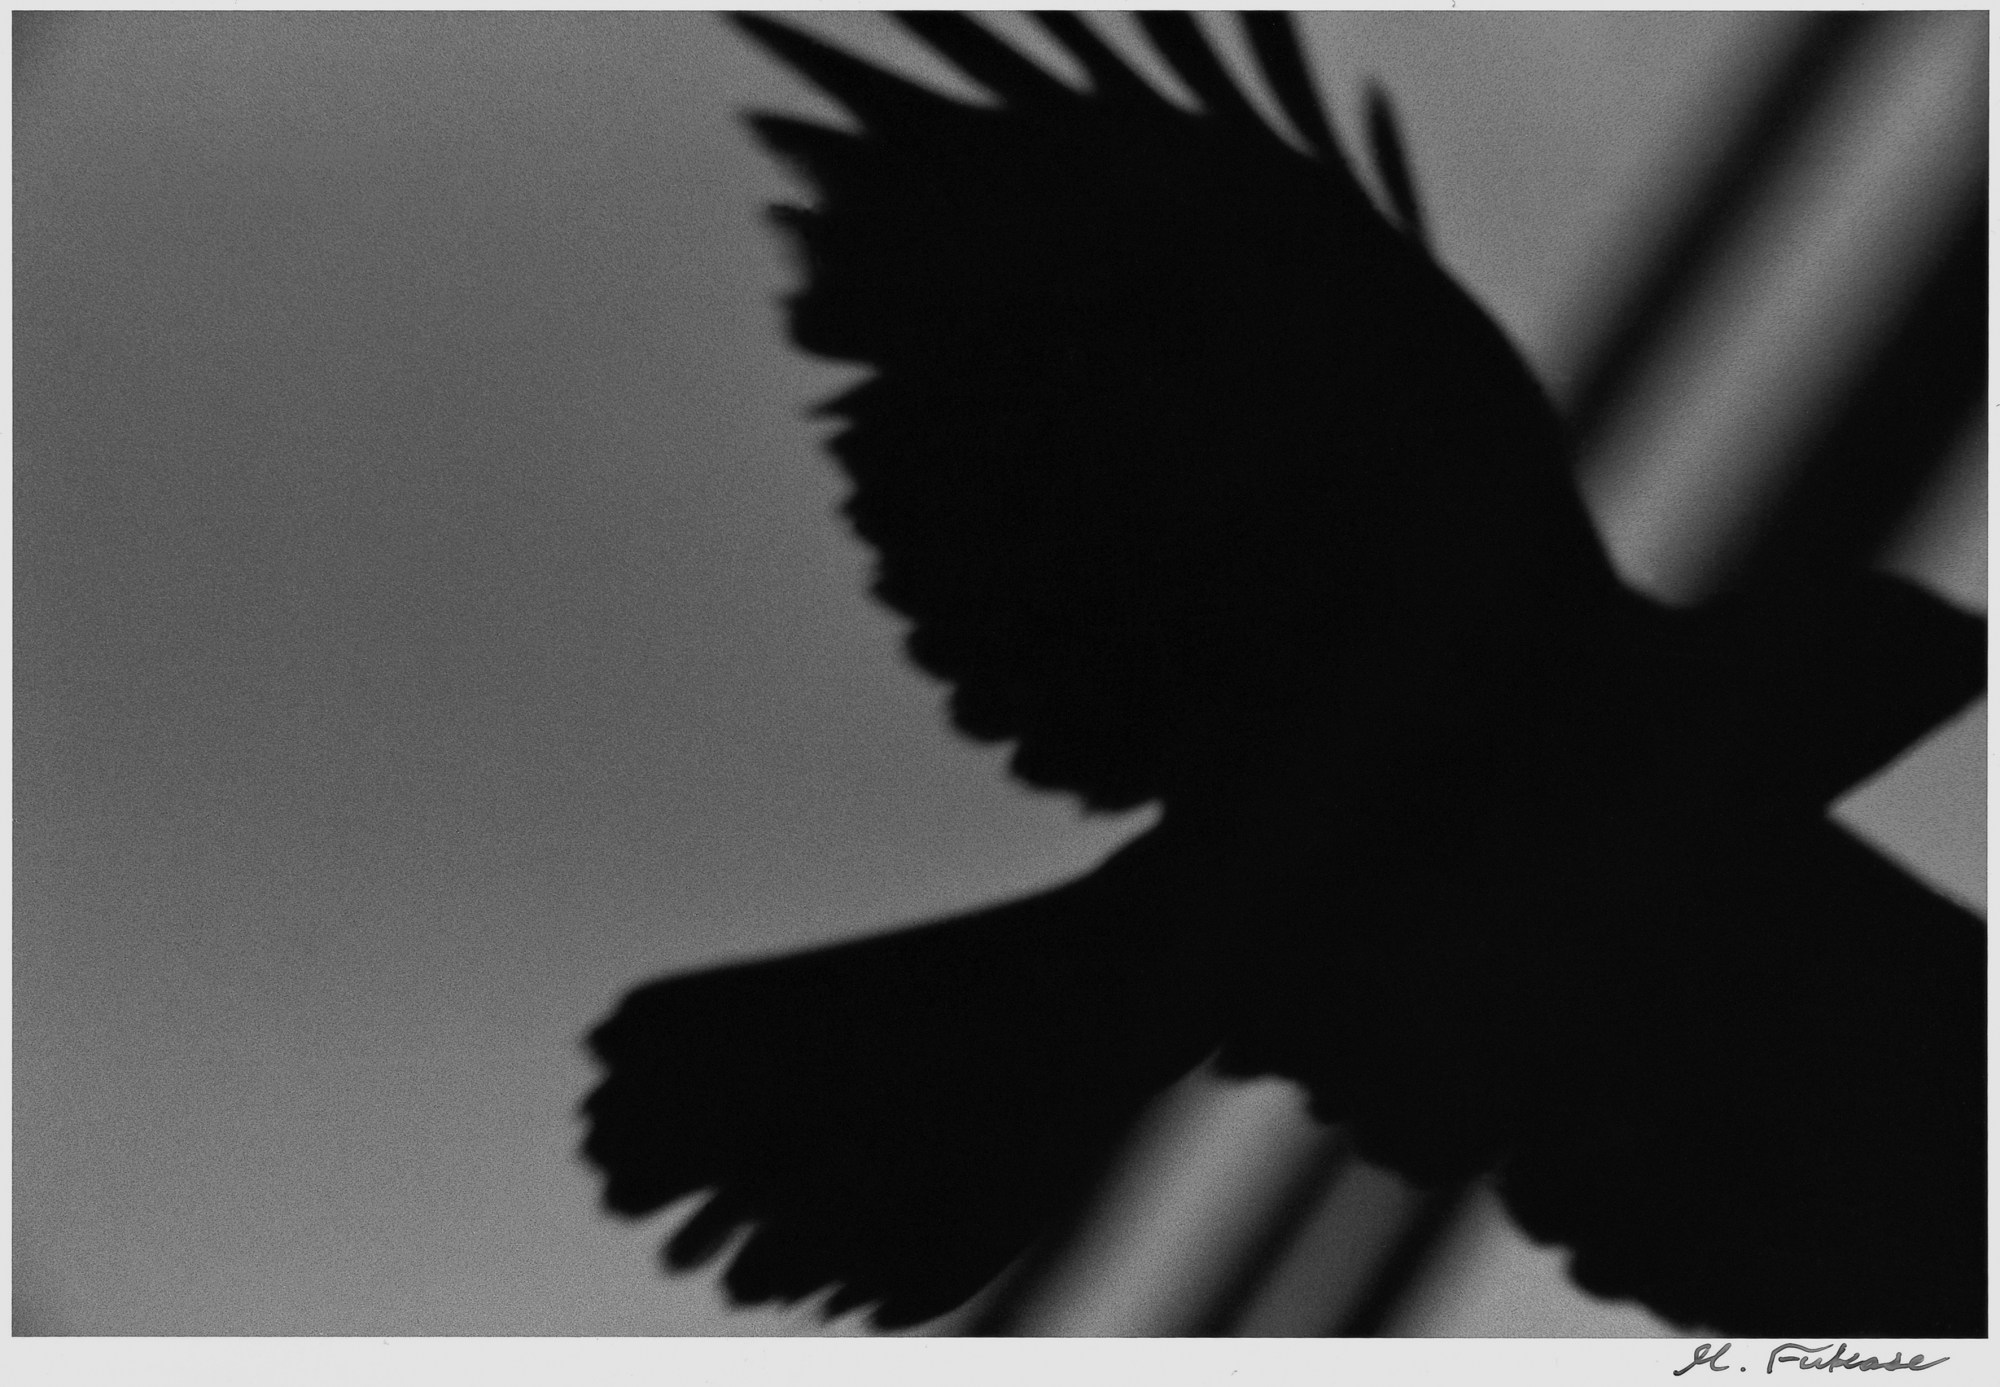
(1204,486)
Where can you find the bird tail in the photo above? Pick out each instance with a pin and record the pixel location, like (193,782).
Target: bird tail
(901,1117)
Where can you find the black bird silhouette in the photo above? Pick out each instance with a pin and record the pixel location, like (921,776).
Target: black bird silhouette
(1203,485)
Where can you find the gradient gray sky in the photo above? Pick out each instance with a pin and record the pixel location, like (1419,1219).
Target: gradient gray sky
(431,618)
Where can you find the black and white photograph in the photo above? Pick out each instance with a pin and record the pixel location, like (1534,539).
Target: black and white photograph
(1287,676)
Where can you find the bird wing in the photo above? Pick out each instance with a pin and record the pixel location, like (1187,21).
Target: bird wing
(901,1117)
(1158,399)
(1726,1054)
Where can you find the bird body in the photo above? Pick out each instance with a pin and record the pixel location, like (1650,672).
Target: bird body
(1204,486)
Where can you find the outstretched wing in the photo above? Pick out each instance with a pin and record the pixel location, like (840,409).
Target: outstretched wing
(899,1118)
(1160,400)
(1727,1055)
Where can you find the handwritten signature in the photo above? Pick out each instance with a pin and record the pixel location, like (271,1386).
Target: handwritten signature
(1711,1356)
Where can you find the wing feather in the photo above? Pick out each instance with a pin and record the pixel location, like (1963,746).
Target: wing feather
(1179,40)
(1109,75)
(982,57)
(879,98)
(1276,46)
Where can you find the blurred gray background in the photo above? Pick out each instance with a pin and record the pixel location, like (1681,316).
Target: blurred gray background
(431,618)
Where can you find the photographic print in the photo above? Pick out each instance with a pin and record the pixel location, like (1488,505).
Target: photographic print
(1237,676)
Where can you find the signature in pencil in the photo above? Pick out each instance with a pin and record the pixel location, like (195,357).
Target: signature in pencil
(1825,1357)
